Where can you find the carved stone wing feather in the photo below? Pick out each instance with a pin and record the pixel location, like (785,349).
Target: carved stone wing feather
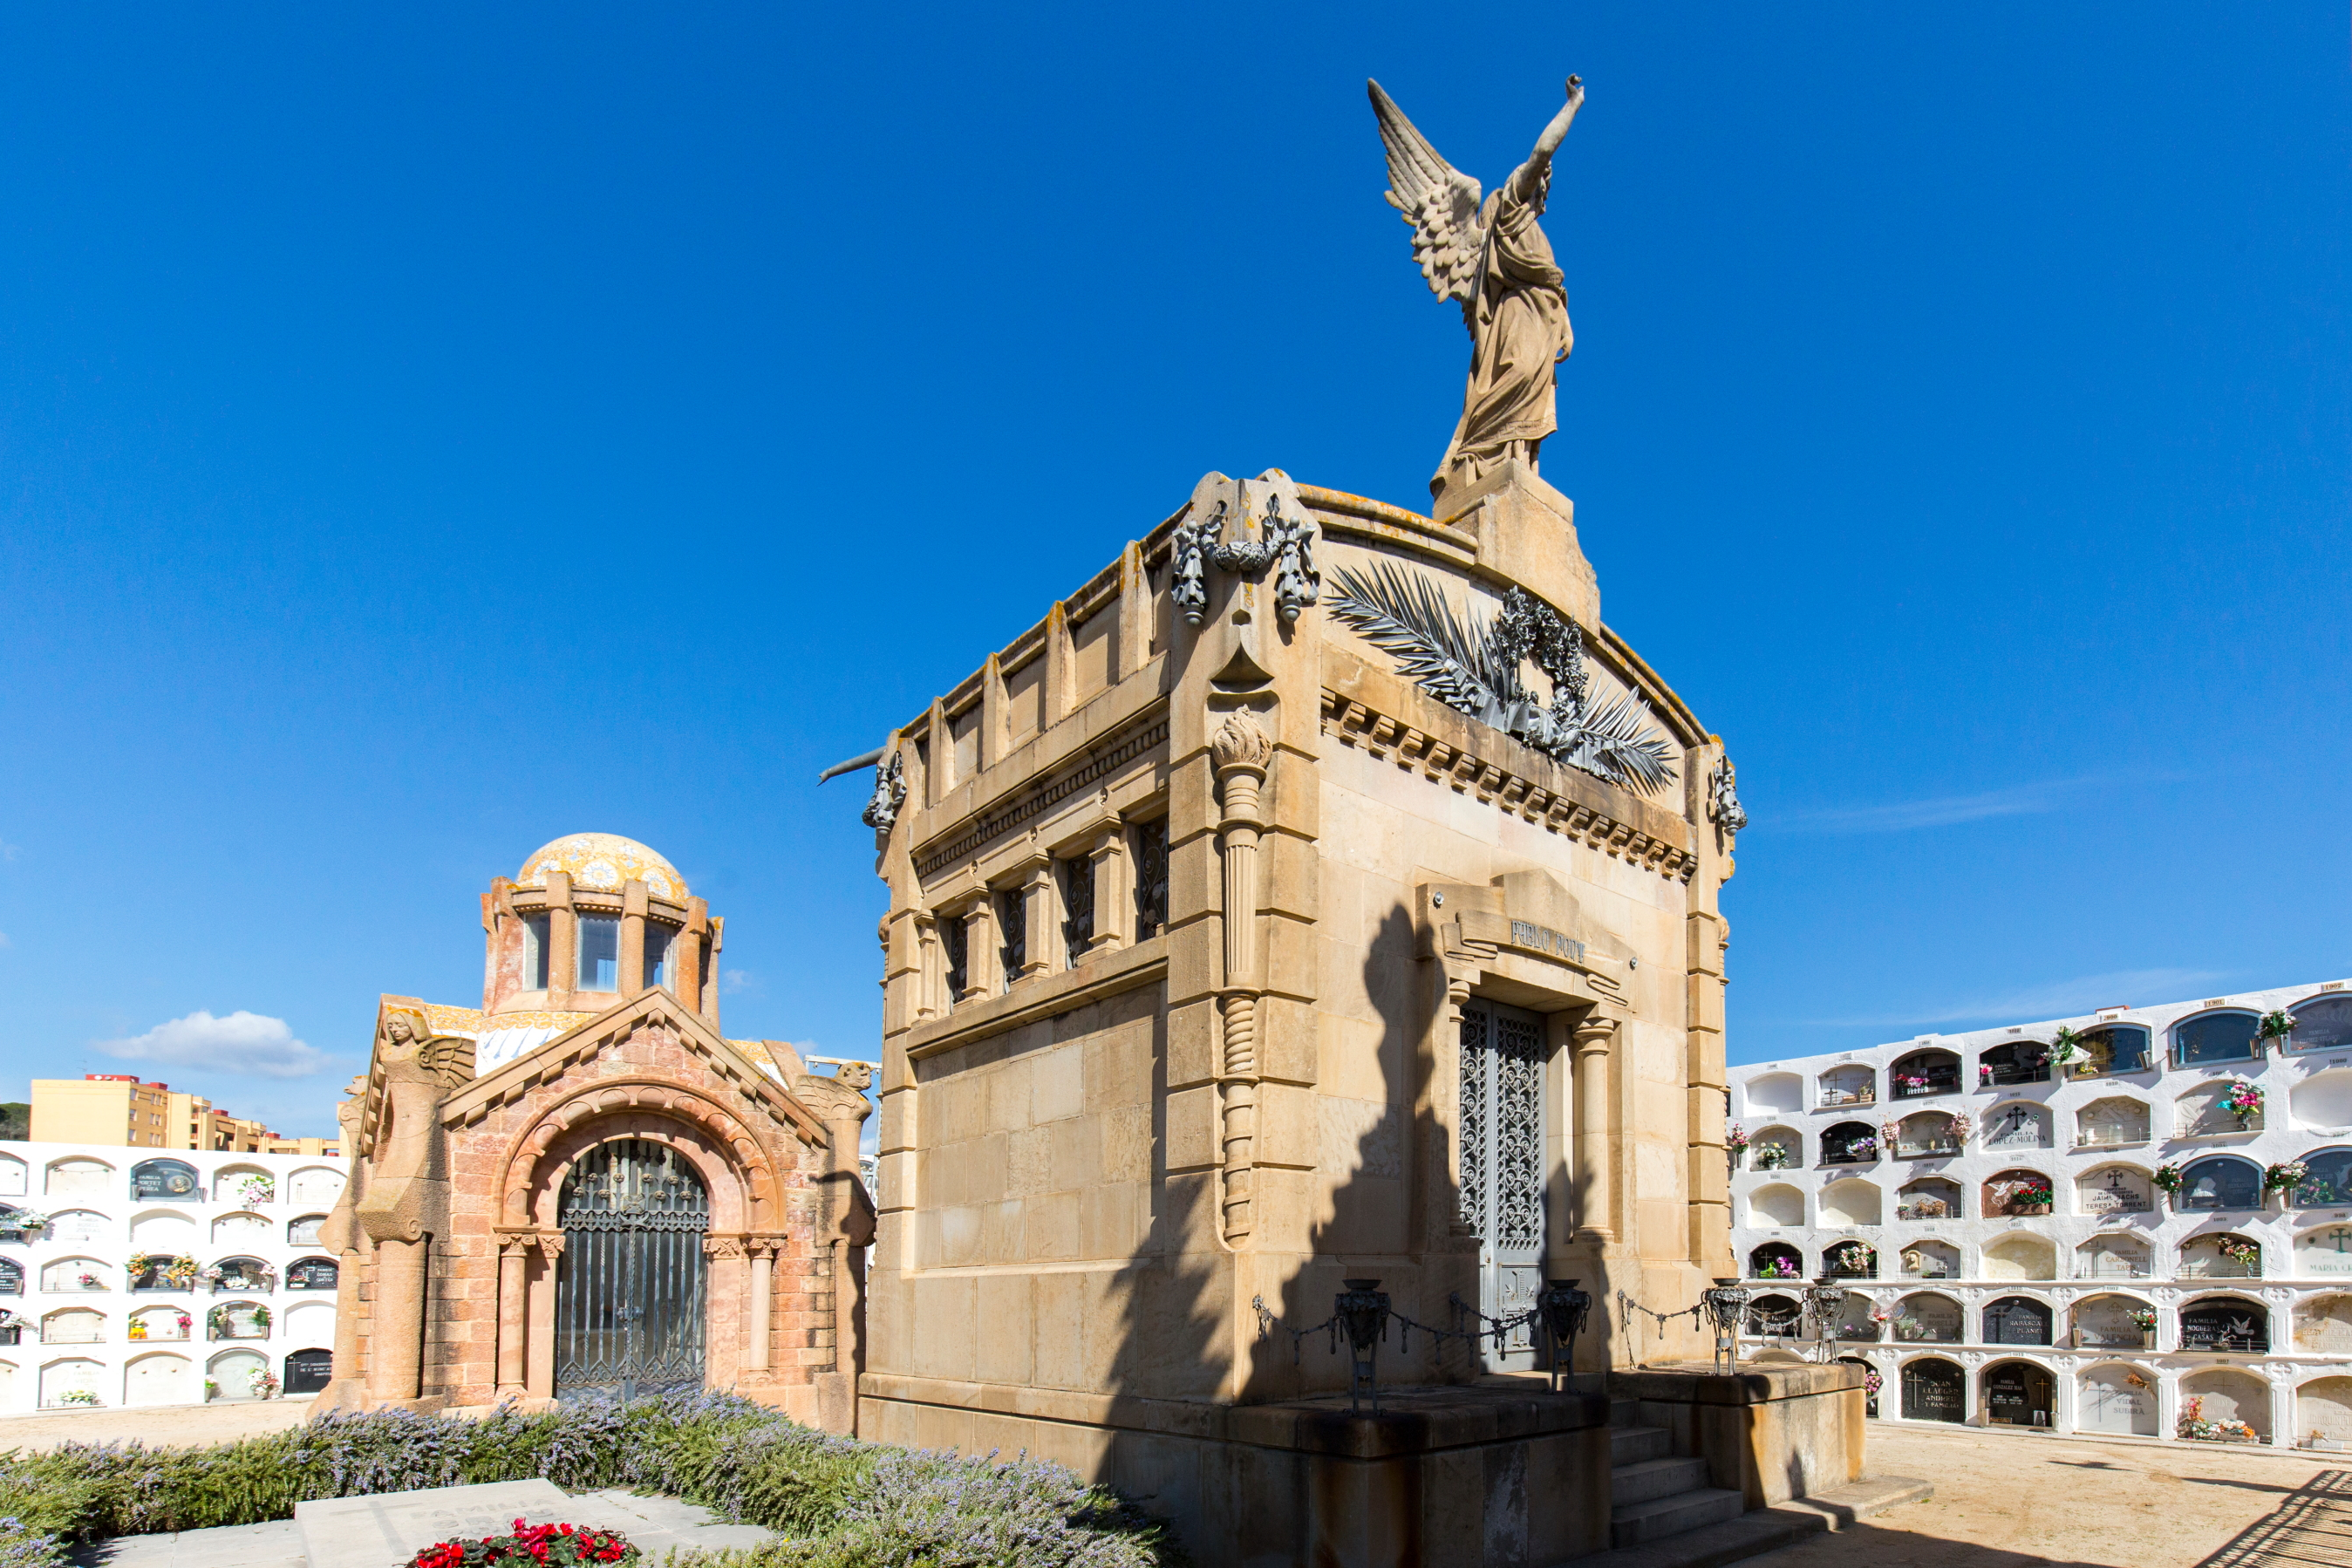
(1437,199)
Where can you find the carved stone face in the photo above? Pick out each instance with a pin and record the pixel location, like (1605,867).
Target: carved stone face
(398,1031)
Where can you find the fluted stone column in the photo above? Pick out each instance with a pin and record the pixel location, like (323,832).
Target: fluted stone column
(1594,1038)
(1241,750)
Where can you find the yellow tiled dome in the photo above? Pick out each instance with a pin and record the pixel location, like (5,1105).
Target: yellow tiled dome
(603,861)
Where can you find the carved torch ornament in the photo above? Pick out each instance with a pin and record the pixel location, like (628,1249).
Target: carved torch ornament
(1241,750)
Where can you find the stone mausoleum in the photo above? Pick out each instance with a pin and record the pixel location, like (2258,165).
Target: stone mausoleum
(1320,892)
(581,1186)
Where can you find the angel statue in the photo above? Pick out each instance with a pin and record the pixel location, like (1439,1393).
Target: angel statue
(1492,257)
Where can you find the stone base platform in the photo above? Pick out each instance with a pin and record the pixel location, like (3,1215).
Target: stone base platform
(1470,1477)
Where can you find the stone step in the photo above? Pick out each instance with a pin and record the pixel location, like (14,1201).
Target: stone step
(1637,1523)
(1647,1479)
(1631,1445)
(1764,1529)
(1621,1413)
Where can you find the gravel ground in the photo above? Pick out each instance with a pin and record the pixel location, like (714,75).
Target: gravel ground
(40,1431)
(2007,1501)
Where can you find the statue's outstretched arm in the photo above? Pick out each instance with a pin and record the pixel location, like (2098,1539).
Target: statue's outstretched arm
(1557,131)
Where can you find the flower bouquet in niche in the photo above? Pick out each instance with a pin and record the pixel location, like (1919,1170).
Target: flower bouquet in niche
(2195,1427)
(2285,1176)
(2243,1101)
(2167,1181)
(1963,1125)
(2030,1195)
(1772,1157)
(2245,1254)
(1779,1268)
(2274,1030)
(1734,1142)
(538,1545)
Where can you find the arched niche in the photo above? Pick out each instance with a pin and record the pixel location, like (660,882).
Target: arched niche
(2200,1112)
(1775,1316)
(312,1274)
(2118,1121)
(2323,1325)
(78,1177)
(2231,1324)
(2114,1190)
(1849,1143)
(2019,1394)
(2323,1412)
(1929,1197)
(1776,1148)
(2220,1254)
(2225,1395)
(236,1374)
(2016,1192)
(2326,1183)
(75,1275)
(165,1230)
(2116,1047)
(160,1378)
(314,1187)
(72,1376)
(1778,1206)
(2114,1254)
(2324,1253)
(79,1225)
(303,1229)
(1924,1072)
(1854,1321)
(2013,1062)
(2322,1023)
(244,1273)
(2016,1125)
(247,1187)
(308,1322)
(1776,1260)
(2109,1322)
(1934,1389)
(2020,1255)
(1850,1260)
(2219,1184)
(12,1279)
(1774,1094)
(307,1371)
(1849,1083)
(239,1320)
(165,1182)
(1850,1202)
(165,1322)
(2209,1039)
(2323,1102)
(1928,1258)
(2016,1320)
(2116,1398)
(1926,1134)
(73,1326)
(13,1177)
(1928,1317)
(1870,1377)
(243,1228)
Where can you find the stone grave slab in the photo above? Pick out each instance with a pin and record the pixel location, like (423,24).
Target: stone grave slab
(388,1530)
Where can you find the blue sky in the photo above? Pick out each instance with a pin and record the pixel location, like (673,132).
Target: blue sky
(427,432)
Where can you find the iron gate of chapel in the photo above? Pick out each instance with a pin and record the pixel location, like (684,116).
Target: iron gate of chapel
(629,1290)
(1502,1166)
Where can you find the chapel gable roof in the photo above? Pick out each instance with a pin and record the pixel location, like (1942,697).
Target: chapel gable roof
(722,1061)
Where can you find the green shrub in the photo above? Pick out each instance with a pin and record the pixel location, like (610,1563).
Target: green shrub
(842,1503)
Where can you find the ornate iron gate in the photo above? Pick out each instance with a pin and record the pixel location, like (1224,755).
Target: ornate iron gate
(629,1293)
(1502,1165)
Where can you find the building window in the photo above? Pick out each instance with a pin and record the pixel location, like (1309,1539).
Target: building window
(1079,898)
(660,942)
(534,953)
(955,940)
(1150,878)
(600,953)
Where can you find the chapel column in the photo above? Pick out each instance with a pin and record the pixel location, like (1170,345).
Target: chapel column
(397,1356)
(762,1250)
(514,1259)
(1593,1038)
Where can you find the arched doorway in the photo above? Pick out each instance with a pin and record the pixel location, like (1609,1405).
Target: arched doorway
(2019,1394)
(630,1290)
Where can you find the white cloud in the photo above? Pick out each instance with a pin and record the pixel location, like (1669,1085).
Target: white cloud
(1944,811)
(742,981)
(246,1044)
(2056,999)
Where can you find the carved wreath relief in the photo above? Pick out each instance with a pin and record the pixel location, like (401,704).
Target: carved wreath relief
(1287,544)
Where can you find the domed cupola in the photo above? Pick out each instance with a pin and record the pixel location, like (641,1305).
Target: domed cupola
(592,918)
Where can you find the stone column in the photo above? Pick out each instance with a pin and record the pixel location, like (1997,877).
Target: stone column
(984,965)
(706,1007)
(562,941)
(1041,915)
(397,1358)
(930,998)
(1594,1038)
(1240,751)
(1114,889)
(539,1335)
(514,1259)
(633,937)
(763,1288)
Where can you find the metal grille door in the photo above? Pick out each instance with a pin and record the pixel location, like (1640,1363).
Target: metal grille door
(629,1293)
(1502,1164)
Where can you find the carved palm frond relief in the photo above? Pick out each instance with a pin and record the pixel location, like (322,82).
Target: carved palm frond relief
(1474,666)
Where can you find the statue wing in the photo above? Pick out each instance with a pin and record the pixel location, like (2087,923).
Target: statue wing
(1439,200)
